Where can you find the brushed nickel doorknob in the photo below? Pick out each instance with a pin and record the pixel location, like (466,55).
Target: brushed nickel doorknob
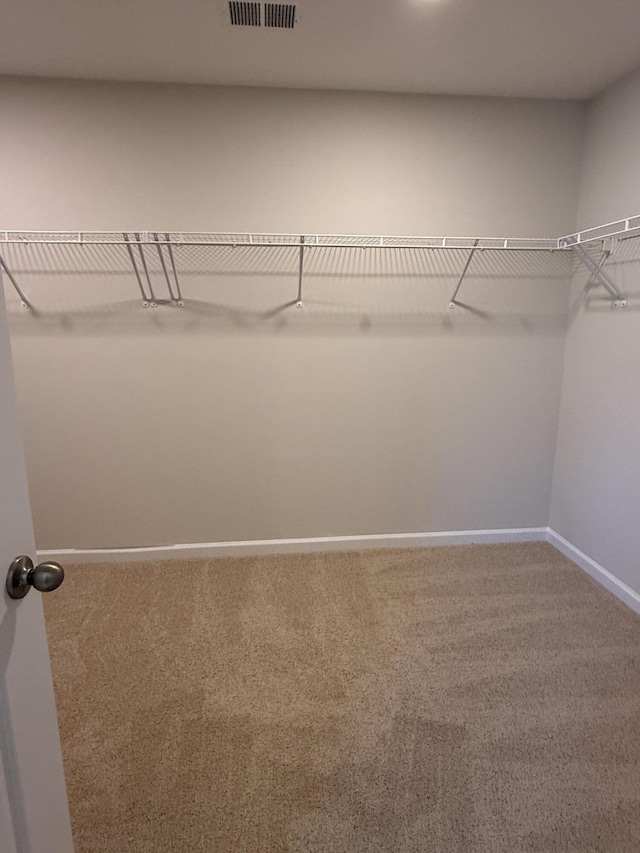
(22,575)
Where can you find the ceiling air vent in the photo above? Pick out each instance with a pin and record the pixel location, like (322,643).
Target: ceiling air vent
(280,15)
(244,14)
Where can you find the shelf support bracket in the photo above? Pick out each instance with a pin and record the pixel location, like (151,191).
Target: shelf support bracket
(23,299)
(453,302)
(300,273)
(154,301)
(597,271)
(146,300)
(175,271)
(174,299)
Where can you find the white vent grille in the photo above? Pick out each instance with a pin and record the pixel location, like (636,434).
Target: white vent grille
(245,14)
(281,15)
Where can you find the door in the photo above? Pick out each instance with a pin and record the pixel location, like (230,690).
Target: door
(34,816)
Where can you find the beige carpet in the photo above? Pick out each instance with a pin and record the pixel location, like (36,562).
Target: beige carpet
(479,698)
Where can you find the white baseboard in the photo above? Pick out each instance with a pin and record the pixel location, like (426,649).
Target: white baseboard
(296,546)
(629,596)
(257,547)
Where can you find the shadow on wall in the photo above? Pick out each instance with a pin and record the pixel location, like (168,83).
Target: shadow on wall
(92,289)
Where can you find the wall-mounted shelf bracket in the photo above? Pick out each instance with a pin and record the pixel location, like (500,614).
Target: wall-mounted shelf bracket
(146,299)
(300,273)
(148,295)
(453,302)
(174,298)
(23,299)
(597,271)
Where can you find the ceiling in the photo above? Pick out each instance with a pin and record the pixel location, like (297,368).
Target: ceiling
(526,48)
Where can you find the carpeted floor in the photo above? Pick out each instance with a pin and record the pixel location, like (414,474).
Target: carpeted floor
(477,698)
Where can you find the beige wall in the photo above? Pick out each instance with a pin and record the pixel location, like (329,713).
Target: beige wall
(596,491)
(373,410)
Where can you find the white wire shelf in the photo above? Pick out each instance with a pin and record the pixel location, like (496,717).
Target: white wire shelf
(164,243)
(621,228)
(257,240)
